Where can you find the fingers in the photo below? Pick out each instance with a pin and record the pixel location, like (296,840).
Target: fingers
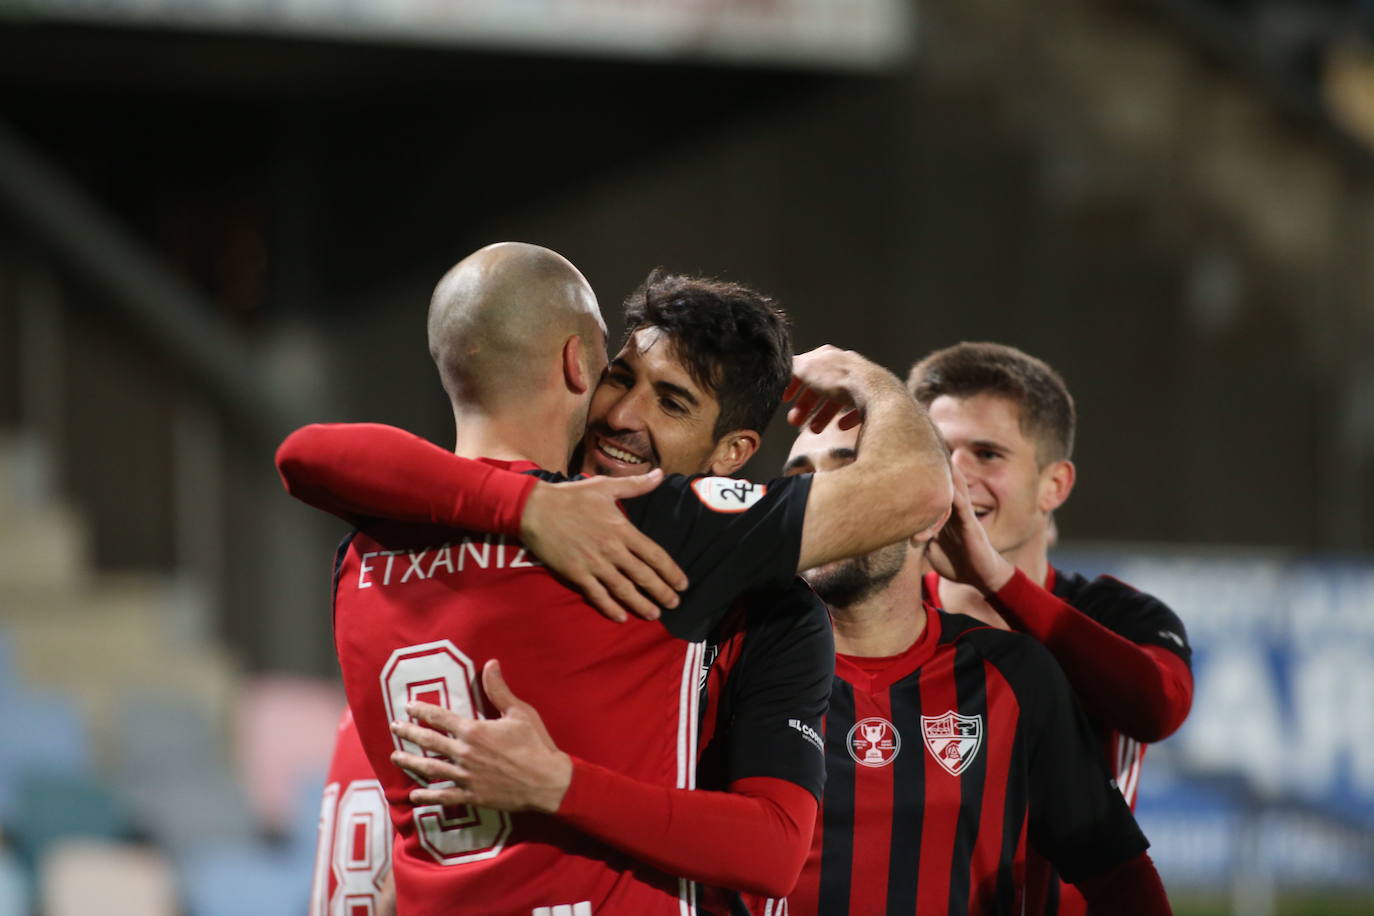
(651,567)
(445,720)
(963,502)
(599,598)
(611,591)
(814,410)
(430,769)
(654,578)
(826,367)
(623,590)
(661,566)
(449,797)
(497,690)
(792,388)
(638,485)
(960,482)
(806,403)
(430,740)
(824,415)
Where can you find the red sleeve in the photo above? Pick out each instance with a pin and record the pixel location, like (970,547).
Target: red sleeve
(367,470)
(753,838)
(1144,691)
(1132,888)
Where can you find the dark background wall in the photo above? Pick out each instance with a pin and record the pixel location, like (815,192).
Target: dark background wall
(313,193)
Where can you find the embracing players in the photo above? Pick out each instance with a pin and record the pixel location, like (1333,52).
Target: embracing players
(419,607)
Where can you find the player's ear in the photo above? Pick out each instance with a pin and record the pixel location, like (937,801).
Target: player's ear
(920,539)
(576,373)
(732,451)
(1056,483)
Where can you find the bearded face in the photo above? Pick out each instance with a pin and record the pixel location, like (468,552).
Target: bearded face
(845,583)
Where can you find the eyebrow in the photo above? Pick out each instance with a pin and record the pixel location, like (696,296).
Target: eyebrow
(661,386)
(990,443)
(839,454)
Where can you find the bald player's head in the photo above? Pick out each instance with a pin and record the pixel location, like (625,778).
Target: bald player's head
(499,321)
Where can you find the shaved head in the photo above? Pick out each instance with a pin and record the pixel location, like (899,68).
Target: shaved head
(499,319)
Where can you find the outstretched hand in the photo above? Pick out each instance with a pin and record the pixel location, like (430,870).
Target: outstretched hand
(509,763)
(578,531)
(962,552)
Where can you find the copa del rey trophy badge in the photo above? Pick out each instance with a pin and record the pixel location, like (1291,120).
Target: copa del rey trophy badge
(874,742)
(953,740)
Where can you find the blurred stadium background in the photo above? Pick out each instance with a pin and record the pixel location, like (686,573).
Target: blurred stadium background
(222,218)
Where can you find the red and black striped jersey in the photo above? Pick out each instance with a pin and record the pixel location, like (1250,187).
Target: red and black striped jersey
(1143,620)
(943,764)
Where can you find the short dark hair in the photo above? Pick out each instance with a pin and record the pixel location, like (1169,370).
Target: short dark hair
(734,341)
(968,369)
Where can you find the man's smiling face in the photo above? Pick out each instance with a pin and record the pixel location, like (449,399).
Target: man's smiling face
(1007,486)
(649,412)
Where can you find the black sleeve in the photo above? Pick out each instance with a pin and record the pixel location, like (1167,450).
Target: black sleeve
(1141,618)
(728,536)
(1078,819)
(777,694)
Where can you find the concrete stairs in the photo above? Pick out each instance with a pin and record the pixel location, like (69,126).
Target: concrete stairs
(97,638)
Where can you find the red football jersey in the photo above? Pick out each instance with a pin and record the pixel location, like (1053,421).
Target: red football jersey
(353,851)
(420,608)
(1121,612)
(941,764)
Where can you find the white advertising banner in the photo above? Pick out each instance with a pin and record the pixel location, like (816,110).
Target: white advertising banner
(849,34)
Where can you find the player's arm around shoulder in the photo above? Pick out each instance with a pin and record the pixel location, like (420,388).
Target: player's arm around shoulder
(361,471)
(577,528)
(899,483)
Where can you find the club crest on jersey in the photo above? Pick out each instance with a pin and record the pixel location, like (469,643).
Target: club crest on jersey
(953,740)
(873,742)
(727,494)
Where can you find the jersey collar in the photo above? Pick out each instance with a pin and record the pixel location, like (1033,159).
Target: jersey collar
(899,666)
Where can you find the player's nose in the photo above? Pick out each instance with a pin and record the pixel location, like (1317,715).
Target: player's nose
(627,412)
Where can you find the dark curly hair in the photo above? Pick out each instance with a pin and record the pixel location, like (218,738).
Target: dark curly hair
(734,341)
(968,369)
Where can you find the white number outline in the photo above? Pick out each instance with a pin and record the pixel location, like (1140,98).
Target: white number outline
(324,850)
(334,844)
(363,801)
(475,833)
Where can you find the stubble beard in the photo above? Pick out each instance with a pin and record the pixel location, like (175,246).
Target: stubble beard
(848,582)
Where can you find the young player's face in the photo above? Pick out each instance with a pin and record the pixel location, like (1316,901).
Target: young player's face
(1008,488)
(844,582)
(648,412)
